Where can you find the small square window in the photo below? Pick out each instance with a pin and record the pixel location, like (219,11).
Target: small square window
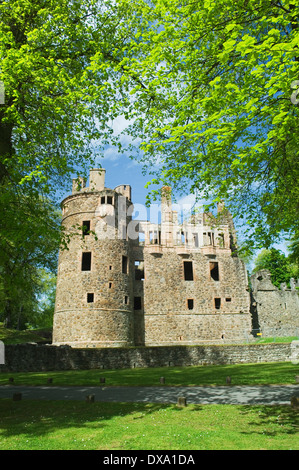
(90,297)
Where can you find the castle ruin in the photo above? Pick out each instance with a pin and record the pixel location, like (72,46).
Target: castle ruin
(125,282)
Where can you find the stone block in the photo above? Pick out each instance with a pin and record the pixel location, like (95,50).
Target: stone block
(90,399)
(17,397)
(295,402)
(182,401)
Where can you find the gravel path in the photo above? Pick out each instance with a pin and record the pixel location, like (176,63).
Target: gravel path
(262,394)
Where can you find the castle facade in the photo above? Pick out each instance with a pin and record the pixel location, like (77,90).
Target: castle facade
(125,282)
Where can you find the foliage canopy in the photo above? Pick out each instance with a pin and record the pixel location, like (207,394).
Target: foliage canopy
(216,110)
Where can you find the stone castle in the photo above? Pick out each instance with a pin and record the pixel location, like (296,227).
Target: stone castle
(125,282)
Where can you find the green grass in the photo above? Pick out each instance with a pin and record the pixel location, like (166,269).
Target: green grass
(241,374)
(73,425)
(278,339)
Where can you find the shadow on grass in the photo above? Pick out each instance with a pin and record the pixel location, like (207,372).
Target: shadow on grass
(34,418)
(283,419)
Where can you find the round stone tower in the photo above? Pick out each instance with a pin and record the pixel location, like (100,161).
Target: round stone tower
(94,296)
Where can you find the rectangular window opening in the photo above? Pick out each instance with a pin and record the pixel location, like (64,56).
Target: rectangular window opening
(90,298)
(125,265)
(109,200)
(195,240)
(228,299)
(141,237)
(86,228)
(139,271)
(126,300)
(103,199)
(190,304)
(86,261)
(110,285)
(188,271)
(137,303)
(214,270)
(217,303)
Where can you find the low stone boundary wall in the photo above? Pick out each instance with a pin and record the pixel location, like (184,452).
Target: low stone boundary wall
(34,357)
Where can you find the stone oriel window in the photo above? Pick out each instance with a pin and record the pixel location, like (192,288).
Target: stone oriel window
(90,297)
(85,228)
(217,301)
(86,261)
(188,270)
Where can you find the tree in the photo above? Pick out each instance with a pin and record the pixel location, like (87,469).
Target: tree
(56,106)
(30,237)
(215,107)
(280,266)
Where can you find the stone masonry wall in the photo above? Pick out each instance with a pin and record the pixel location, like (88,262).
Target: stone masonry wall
(33,357)
(275,311)
(166,295)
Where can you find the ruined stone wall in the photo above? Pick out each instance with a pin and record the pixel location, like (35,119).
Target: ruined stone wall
(275,311)
(185,311)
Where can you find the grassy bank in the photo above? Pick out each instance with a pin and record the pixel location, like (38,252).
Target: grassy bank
(241,374)
(11,336)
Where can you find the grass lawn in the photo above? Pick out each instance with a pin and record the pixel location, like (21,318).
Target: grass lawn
(73,425)
(27,425)
(241,374)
